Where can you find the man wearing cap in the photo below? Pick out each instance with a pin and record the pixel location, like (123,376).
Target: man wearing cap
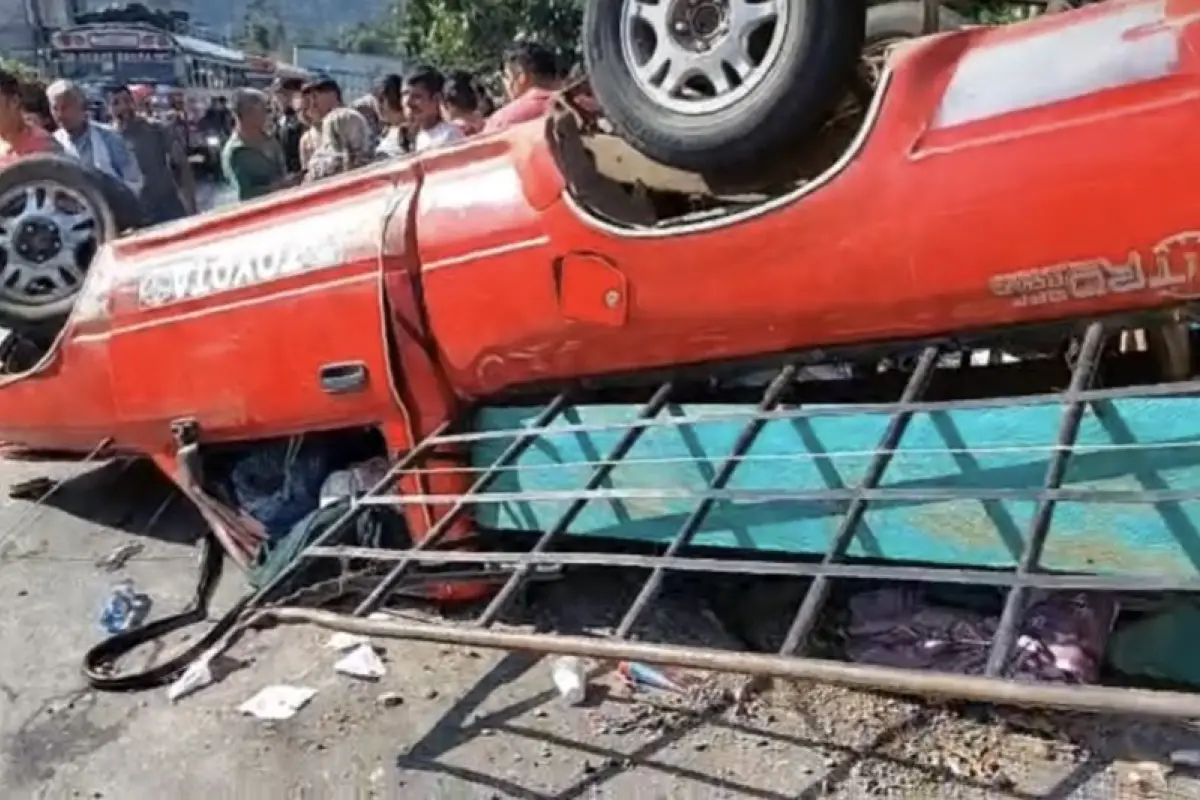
(320,96)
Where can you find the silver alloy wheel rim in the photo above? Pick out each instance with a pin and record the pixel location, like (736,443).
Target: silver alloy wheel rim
(701,56)
(48,233)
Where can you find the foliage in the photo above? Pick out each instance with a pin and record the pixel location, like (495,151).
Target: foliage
(20,69)
(262,28)
(996,12)
(470,35)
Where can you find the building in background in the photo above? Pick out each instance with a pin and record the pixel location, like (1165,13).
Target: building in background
(355,73)
(23,26)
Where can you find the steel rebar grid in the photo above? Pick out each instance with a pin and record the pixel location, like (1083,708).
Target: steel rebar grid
(818,591)
(496,607)
(413,456)
(789,569)
(1156,391)
(439,530)
(1062,494)
(692,524)
(1039,525)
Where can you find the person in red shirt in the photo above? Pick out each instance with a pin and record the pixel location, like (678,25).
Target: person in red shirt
(531,81)
(17,136)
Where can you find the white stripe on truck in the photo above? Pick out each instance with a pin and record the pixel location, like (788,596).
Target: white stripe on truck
(1071,60)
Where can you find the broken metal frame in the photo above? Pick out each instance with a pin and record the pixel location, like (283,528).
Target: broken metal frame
(790,660)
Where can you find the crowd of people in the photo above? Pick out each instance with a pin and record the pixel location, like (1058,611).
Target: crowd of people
(306,131)
(147,156)
(298,132)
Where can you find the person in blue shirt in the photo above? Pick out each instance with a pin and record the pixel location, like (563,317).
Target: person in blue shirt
(95,145)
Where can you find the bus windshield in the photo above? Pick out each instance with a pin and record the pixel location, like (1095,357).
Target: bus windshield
(119,67)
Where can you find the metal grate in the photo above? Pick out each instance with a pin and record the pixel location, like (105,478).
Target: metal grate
(679,555)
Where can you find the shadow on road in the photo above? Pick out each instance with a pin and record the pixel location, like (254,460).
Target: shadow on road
(131,496)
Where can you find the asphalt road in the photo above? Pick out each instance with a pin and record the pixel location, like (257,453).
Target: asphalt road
(452,722)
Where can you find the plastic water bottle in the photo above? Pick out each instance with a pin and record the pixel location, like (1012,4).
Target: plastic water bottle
(570,679)
(124,608)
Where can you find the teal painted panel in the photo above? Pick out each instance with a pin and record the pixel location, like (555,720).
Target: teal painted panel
(1123,445)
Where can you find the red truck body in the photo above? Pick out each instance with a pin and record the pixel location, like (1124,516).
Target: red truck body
(1004,176)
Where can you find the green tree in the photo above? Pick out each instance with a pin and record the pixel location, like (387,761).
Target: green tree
(19,68)
(467,34)
(262,28)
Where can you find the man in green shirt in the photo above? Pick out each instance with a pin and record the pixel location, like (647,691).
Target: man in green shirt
(252,159)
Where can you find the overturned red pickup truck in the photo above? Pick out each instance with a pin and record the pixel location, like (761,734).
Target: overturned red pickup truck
(1004,182)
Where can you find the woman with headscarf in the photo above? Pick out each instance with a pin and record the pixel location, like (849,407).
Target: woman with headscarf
(368,106)
(345,144)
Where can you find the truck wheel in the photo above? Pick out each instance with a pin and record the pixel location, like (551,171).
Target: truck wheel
(54,215)
(889,23)
(717,85)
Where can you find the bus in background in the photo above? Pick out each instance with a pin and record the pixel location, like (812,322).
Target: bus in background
(109,54)
(101,55)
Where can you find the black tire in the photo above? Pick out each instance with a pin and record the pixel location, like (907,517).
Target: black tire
(905,20)
(821,48)
(89,184)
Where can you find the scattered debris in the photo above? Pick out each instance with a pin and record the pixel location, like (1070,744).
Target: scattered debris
(354,481)
(362,662)
(125,608)
(570,679)
(639,675)
(120,556)
(278,702)
(1062,639)
(32,489)
(342,641)
(198,675)
(1143,777)
(390,699)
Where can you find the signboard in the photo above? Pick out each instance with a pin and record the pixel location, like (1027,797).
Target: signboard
(118,66)
(115,39)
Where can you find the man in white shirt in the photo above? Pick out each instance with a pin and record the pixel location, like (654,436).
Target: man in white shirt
(423,101)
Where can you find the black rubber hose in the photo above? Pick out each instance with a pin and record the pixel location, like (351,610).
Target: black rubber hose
(98,662)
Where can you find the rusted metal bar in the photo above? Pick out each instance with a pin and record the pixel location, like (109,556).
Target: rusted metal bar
(796,569)
(930,495)
(461,502)
(1039,525)
(1189,389)
(818,592)
(562,524)
(1093,699)
(743,443)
